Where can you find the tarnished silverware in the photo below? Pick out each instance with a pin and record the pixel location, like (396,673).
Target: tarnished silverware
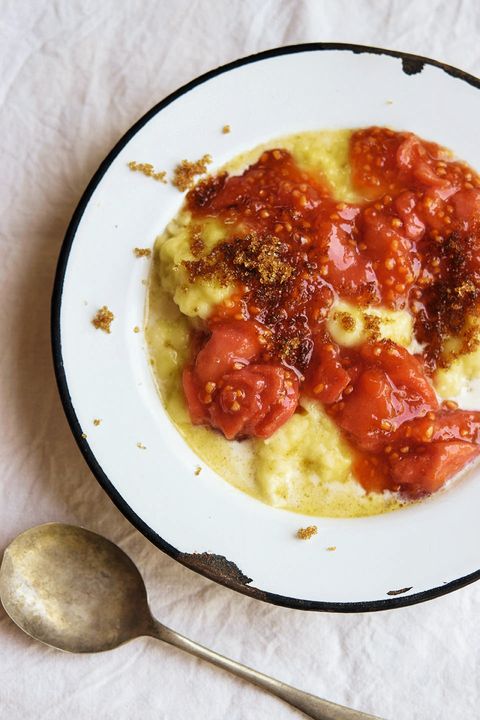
(76,591)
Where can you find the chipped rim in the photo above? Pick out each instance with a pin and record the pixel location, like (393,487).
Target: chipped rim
(215,570)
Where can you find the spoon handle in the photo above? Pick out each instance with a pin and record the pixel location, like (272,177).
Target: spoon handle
(311,705)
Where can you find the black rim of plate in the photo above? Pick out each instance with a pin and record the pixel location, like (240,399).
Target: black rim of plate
(412,64)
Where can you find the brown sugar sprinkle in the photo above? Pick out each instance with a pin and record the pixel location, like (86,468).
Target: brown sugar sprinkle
(97,422)
(288,348)
(141,446)
(226,129)
(197,470)
(103,319)
(246,260)
(136,329)
(448,301)
(372,326)
(307,532)
(186,172)
(142,252)
(346,320)
(148,170)
(331,548)
(197,244)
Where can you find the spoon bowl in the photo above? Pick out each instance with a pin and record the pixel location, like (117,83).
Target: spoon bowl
(73,589)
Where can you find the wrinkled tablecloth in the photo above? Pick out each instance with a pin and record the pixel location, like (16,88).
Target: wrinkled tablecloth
(74,75)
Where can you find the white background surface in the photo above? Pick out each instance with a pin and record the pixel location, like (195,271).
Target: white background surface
(73,77)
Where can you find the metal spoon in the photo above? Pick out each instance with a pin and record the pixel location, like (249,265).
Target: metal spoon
(76,591)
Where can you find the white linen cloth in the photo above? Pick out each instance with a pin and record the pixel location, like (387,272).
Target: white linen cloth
(74,76)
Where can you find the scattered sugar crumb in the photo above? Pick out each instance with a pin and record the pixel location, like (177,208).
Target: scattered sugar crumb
(136,329)
(97,422)
(142,252)
(389,102)
(331,548)
(185,172)
(141,446)
(198,470)
(307,533)
(148,170)
(103,319)
(84,436)
(346,320)
(226,129)
(144,282)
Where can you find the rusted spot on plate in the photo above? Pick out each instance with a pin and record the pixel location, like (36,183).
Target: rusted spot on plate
(215,566)
(412,65)
(399,592)
(218,568)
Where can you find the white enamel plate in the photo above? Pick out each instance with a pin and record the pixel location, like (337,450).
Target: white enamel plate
(136,454)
